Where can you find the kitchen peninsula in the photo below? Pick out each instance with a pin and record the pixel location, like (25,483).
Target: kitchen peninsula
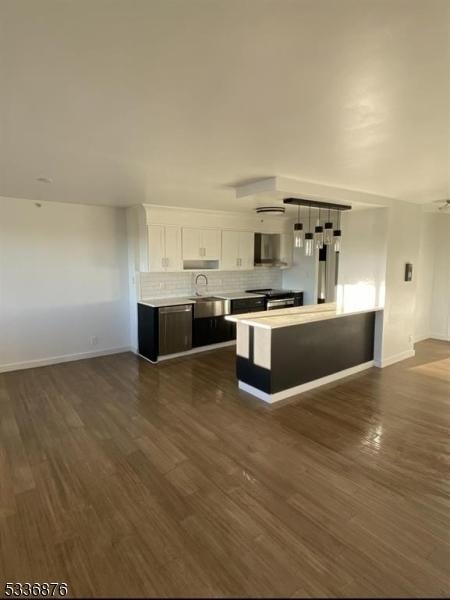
(285,352)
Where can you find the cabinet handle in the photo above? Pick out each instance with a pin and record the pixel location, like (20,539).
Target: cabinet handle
(167,262)
(237,262)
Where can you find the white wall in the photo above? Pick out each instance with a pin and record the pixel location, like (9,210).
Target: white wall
(424,274)
(362,261)
(403,240)
(63,281)
(302,275)
(376,245)
(440,303)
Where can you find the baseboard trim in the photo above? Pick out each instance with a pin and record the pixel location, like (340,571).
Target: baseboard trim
(54,360)
(432,336)
(304,387)
(420,338)
(196,350)
(437,336)
(386,362)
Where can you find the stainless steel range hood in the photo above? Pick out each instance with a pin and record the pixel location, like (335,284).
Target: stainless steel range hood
(268,250)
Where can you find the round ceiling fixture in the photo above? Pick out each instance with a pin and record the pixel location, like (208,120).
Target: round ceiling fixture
(270,210)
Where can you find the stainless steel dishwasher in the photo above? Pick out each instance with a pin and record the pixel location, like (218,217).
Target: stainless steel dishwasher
(175,329)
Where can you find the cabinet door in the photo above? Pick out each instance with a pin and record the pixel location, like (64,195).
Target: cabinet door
(192,244)
(230,251)
(156,248)
(225,331)
(210,244)
(172,248)
(246,250)
(203,332)
(286,249)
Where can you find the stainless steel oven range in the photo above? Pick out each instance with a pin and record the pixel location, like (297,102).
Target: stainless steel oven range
(280,298)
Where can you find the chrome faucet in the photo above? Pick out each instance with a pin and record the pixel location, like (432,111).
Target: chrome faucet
(197,293)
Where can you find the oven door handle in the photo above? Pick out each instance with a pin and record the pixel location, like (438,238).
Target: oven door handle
(280,303)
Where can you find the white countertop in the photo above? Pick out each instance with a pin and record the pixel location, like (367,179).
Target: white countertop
(297,315)
(236,295)
(177,300)
(160,302)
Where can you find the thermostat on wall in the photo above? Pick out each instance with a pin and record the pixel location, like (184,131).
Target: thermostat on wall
(408,271)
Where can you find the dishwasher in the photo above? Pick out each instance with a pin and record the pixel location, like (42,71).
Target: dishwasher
(175,329)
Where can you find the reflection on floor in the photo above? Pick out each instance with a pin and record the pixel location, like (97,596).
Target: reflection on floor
(436,368)
(127,479)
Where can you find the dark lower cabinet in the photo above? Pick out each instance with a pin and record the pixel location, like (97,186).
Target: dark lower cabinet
(245,305)
(298,298)
(211,330)
(226,330)
(148,335)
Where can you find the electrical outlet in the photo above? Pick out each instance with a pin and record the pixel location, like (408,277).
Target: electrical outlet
(162,285)
(93,340)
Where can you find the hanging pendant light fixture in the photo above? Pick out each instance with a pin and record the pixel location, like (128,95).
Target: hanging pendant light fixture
(317,237)
(318,234)
(298,231)
(328,232)
(337,234)
(309,236)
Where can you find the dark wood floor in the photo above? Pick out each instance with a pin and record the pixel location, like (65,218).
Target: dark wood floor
(127,479)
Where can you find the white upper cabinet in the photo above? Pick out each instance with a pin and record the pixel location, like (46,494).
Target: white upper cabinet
(211,244)
(237,250)
(164,248)
(201,244)
(247,250)
(230,250)
(192,245)
(172,247)
(167,239)
(156,248)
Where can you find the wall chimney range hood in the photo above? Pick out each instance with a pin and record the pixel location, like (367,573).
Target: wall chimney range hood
(268,250)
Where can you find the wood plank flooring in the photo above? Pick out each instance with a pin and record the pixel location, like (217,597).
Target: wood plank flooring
(127,479)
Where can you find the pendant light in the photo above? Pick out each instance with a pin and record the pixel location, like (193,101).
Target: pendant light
(318,234)
(298,231)
(309,236)
(328,232)
(337,234)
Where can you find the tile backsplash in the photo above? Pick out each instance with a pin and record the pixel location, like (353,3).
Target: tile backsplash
(154,285)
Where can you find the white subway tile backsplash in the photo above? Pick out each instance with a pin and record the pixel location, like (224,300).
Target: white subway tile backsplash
(154,285)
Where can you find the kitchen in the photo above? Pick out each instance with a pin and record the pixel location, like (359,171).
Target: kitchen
(207,317)
(214,270)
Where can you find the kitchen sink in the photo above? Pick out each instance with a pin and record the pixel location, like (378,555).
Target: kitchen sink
(210,306)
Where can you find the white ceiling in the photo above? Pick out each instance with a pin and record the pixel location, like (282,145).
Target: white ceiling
(175,101)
